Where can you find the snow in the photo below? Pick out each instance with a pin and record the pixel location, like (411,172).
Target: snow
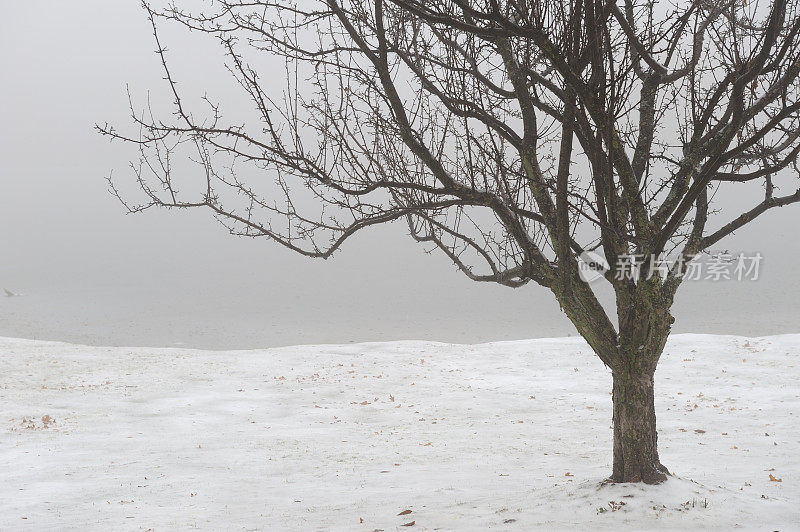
(509,436)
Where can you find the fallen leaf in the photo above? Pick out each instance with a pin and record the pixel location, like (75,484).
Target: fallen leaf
(774,479)
(405,512)
(412,523)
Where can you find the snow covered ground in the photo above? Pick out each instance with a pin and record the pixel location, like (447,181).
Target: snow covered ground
(510,436)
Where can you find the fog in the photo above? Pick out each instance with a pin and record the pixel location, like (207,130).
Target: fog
(89,273)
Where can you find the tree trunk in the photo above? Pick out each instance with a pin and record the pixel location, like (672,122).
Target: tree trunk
(632,355)
(635,436)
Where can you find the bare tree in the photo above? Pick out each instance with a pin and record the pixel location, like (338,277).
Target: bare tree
(513,135)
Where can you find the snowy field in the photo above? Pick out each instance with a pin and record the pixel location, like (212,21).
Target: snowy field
(509,436)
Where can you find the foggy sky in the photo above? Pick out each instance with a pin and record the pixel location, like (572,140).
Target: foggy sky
(92,274)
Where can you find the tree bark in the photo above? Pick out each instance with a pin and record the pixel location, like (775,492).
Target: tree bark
(632,355)
(635,434)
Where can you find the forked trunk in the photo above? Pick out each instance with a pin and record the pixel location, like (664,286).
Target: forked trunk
(632,355)
(635,435)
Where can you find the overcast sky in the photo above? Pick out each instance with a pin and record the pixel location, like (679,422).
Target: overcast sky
(89,273)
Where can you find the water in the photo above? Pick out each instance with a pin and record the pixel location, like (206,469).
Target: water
(224,304)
